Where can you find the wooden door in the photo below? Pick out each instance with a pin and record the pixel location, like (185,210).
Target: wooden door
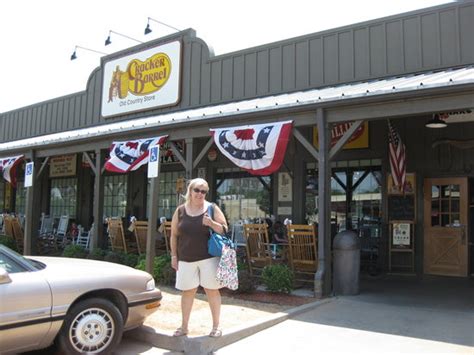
(445,226)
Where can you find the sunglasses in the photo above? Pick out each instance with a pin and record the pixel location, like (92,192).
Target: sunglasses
(196,190)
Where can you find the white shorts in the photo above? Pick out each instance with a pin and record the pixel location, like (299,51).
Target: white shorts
(192,274)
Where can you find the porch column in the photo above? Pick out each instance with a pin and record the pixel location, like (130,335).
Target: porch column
(152,224)
(32,214)
(98,205)
(189,159)
(323,277)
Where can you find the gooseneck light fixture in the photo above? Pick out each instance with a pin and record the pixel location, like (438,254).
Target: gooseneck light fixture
(148,29)
(74,55)
(109,41)
(436,122)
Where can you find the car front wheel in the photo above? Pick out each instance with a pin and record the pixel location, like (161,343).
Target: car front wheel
(92,326)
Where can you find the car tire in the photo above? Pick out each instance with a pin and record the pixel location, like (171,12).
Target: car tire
(93,326)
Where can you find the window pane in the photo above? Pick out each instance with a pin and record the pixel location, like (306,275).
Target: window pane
(244,197)
(115,195)
(63,197)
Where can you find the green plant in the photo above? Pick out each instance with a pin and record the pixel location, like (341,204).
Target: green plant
(162,271)
(247,283)
(130,260)
(75,251)
(278,278)
(115,257)
(8,241)
(96,254)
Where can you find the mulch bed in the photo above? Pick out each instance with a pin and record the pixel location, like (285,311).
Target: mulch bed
(269,297)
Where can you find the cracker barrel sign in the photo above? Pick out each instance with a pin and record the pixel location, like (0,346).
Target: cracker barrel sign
(359,139)
(142,81)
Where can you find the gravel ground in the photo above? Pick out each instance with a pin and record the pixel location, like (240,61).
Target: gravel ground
(235,311)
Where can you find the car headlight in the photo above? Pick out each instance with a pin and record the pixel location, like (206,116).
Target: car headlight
(150,285)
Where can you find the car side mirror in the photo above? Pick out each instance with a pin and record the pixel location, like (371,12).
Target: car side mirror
(4,276)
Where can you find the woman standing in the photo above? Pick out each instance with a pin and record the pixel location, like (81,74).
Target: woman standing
(189,257)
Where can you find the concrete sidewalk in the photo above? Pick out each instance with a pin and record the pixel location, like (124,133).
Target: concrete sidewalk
(389,316)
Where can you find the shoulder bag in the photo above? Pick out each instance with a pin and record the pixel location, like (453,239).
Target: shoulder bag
(216,241)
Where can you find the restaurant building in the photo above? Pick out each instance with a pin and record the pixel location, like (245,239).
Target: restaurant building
(339,88)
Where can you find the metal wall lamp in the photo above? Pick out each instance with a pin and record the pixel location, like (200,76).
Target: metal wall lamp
(74,55)
(148,29)
(436,122)
(109,41)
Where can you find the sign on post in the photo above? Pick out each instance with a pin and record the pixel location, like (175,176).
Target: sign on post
(29,174)
(153,163)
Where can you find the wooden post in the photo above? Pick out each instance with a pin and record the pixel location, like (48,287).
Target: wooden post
(98,206)
(152,221)
(30,216)
(322,282)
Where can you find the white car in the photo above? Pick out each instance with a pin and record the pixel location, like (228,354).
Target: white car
(82,305)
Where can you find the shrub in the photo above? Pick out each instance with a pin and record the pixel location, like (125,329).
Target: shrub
(130,260)
(278,278)
(8,242)
(162,271)
(96,254)
(115,257)
(75,251)
(247,284)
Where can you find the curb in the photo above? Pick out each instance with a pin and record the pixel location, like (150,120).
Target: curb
(205,344)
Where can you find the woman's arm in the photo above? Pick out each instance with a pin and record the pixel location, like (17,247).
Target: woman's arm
(174,240)
(218,223)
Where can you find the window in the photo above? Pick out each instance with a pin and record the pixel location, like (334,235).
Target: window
(445,205)
(115,195)
(168,197)
(2,196)
(20,198)
(356,196)
(63,197)
(242,196)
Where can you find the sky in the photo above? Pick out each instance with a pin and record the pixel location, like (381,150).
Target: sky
(37,37)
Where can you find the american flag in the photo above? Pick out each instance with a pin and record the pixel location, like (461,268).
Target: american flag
(8,168)
(397,155)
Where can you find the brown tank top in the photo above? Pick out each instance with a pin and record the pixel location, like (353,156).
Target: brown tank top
(192,237)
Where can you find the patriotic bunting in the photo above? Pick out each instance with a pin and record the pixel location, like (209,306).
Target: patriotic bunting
(397,155)
(8,168)
(259,149)
(130,155)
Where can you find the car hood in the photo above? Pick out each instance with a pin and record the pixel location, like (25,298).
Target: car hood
(69,276)
(73,266)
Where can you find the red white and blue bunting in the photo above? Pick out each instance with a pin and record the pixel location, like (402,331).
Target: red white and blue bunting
(130,155)
(8,168)
(259,149)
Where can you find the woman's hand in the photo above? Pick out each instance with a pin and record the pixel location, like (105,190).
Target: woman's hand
(174,262)
(207,220)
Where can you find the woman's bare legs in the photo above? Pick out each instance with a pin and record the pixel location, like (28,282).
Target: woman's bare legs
(187,300)
(214,299)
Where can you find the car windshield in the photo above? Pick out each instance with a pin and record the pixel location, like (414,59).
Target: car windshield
(9,257)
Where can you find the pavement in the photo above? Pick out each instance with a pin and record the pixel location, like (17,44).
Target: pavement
(390,315)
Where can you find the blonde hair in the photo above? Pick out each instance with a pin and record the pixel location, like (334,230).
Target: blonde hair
(192,184)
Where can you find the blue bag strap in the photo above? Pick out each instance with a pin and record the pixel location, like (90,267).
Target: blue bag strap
(210,211)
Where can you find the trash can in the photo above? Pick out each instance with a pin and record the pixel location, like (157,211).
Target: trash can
(346,247)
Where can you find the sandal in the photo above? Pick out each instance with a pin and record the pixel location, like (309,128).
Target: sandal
(180,332)
(215,333)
